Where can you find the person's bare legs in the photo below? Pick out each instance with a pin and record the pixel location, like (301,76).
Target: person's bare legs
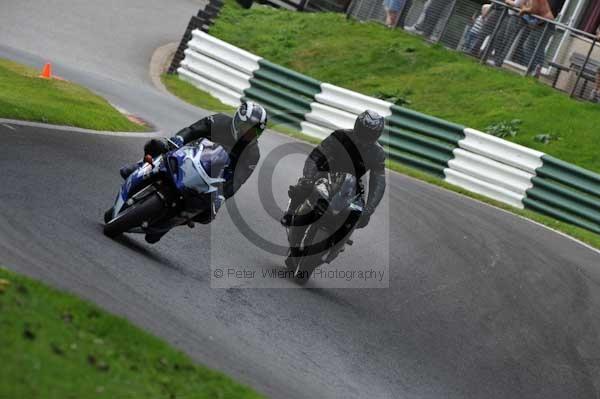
(393,19)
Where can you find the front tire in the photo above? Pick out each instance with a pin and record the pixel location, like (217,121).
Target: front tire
(134,216)
(310,261)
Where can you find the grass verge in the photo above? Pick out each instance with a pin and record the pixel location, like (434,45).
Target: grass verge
(53,345)
(204,100)
(371,59)
(24,96)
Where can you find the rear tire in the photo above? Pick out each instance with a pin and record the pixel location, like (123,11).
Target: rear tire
(134,216)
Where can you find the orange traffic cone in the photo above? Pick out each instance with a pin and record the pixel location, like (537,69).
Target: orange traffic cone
(47,72)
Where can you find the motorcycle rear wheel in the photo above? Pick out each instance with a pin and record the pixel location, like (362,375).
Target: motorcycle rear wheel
(134,216)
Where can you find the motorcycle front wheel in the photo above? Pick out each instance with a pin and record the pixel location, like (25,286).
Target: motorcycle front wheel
(134,216)
(315,241)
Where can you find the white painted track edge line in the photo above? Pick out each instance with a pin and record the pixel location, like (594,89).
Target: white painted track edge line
(47,126)
(8,126)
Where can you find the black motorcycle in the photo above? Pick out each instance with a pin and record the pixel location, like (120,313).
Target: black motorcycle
(332,210)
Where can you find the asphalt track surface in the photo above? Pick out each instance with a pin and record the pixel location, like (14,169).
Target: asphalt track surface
(480,304)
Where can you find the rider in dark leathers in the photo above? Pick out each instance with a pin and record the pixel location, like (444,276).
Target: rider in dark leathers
(238,136)
(354,151)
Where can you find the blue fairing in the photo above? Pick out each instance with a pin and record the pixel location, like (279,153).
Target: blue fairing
(199,168)
(195,168)
(133,184)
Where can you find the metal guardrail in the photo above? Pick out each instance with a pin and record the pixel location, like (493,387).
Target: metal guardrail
(309,5)
(500,37)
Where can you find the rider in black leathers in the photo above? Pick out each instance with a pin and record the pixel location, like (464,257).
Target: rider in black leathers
(354,151)
(238,136)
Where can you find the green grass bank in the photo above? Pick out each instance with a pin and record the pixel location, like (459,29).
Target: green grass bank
(53,345)
(368,58)
(24,96)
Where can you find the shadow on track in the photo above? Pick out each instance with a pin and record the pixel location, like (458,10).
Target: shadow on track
(153,255)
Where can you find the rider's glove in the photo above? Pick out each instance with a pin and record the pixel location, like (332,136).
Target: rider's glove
(297,194)
(156,147)
(301,190)
(286,219)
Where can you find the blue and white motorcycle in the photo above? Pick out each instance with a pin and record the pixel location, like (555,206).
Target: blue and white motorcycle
(174,189)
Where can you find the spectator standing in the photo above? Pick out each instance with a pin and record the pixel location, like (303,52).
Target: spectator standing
(488,28)
(596,91)
(404,13)
(538,35)
(474,33)
(507,32)
(393,8)
(432,12)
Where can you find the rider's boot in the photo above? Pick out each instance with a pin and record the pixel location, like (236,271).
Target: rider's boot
(153,238)
(297,194)
(108,215)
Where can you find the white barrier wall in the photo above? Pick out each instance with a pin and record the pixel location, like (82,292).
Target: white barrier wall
(225,95)
(493,167)
(350,101)
(478,173)
(224,52)
(501,150)
(329,117)
(218,67)
(216,71)
(482,163)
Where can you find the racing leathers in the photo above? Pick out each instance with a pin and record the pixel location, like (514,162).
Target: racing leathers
(342,152)
(243,155)
(243,152)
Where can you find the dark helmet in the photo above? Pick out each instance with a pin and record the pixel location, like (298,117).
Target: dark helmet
(369,126)
(249,117)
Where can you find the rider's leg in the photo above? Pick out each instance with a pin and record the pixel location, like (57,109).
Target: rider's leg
(295,239)
(108,215)
(303,217)
(295,201)
(296,233)
(297,194)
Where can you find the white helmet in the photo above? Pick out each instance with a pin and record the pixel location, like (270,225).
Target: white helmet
(249,118)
